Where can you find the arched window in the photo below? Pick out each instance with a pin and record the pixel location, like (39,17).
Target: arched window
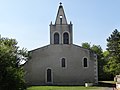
(49,76)
(60,19)
(56,38)
(85,62)
(63,62)
(65,38)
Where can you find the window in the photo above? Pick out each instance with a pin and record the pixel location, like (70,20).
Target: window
(56,38)
(60,19)
(85,62)
(63,62)
(65,38)
(49,76)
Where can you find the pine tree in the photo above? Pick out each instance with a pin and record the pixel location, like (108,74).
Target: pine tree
(113,47)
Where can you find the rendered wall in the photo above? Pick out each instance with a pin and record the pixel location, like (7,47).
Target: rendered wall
(50,57)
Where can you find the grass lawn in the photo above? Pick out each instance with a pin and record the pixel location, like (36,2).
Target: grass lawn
(63,88)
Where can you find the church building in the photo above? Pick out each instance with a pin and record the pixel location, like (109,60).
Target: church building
(61,62)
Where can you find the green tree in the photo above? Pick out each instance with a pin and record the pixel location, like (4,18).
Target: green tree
(86,45)
(113,61)
(112,68)
(101,62)
(99,52)
(11,72)
(106,54)
(113,44)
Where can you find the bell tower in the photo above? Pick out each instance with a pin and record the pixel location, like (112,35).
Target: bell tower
(61,31)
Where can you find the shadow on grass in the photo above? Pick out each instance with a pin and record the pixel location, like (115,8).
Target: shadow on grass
(106,84)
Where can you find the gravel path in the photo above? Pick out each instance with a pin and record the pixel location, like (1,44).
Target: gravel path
(108,88)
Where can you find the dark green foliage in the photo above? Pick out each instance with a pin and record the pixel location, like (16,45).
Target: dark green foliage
(11,73)
(101,62)
(114,44)
(113,61)
(86,45)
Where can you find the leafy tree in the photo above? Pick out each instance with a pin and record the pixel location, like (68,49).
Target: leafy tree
(11,72)
(101,62)
(86,45)
(106,54)
(112,68)
(108,61)
(113,46)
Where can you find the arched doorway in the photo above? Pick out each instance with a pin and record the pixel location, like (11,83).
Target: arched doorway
(49,75)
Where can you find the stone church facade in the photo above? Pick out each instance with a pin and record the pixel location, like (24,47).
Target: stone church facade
(61,62)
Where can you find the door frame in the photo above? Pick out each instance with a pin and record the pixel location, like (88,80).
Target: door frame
(51,76)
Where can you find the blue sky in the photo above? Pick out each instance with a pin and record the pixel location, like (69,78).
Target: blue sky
(28,20)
